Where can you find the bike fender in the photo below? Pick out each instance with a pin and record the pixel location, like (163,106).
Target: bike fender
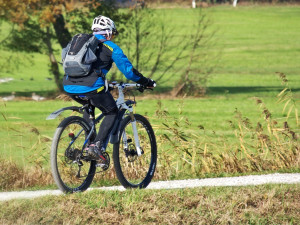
(58,112)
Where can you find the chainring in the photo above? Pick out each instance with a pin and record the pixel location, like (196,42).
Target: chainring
(103,165)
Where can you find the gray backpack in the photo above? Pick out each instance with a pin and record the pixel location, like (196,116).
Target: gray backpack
(78,56)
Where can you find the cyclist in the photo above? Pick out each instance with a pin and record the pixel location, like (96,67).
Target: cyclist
(94,87)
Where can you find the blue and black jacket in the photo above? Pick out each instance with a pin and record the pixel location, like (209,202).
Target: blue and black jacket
(107,53)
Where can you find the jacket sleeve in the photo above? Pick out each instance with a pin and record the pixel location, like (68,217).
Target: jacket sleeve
(124,65)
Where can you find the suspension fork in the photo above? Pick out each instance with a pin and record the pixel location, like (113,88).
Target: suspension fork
(135,132)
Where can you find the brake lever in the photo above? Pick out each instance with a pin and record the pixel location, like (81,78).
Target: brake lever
(141,89)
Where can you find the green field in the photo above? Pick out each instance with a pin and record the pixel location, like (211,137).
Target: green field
(253,43)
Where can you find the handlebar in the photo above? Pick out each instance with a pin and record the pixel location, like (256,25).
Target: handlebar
(115,84)
(139,87)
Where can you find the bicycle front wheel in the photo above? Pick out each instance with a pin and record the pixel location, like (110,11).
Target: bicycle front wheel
(135,171)
(71,172)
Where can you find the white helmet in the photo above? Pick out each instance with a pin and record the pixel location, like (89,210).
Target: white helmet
(102,23)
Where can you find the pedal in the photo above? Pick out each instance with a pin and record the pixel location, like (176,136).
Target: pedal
(102,165)
(80,163)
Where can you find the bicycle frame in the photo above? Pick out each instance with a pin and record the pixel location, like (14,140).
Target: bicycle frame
(74,165)
(113,137)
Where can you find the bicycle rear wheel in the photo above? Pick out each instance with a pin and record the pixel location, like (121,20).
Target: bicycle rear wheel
(135,171)
(71,172)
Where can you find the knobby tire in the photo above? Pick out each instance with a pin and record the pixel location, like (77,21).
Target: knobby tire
(135,171)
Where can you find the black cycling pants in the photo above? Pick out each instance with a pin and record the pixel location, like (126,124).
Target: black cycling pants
(106,103)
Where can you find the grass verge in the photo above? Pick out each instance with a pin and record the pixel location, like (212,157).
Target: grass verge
(267,204)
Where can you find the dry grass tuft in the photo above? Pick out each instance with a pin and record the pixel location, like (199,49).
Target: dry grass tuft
(13,177)
(64,97)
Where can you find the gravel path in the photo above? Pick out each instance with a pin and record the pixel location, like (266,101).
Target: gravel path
(276,178)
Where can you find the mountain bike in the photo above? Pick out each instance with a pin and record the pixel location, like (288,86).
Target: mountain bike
(132,136)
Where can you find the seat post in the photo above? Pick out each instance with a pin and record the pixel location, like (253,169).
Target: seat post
(91,110)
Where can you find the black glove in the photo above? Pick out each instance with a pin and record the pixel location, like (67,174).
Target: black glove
(143,80)
(151,83)
(147,82)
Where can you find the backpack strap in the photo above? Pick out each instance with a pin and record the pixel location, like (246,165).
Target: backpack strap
(101,74)
(102,40)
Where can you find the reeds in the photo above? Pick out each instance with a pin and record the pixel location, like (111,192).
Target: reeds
(267,144)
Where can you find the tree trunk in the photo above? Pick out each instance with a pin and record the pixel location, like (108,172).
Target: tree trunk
(137,39)
(53,63)
(62,33)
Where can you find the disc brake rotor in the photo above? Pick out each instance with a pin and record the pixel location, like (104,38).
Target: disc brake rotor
(131,153)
